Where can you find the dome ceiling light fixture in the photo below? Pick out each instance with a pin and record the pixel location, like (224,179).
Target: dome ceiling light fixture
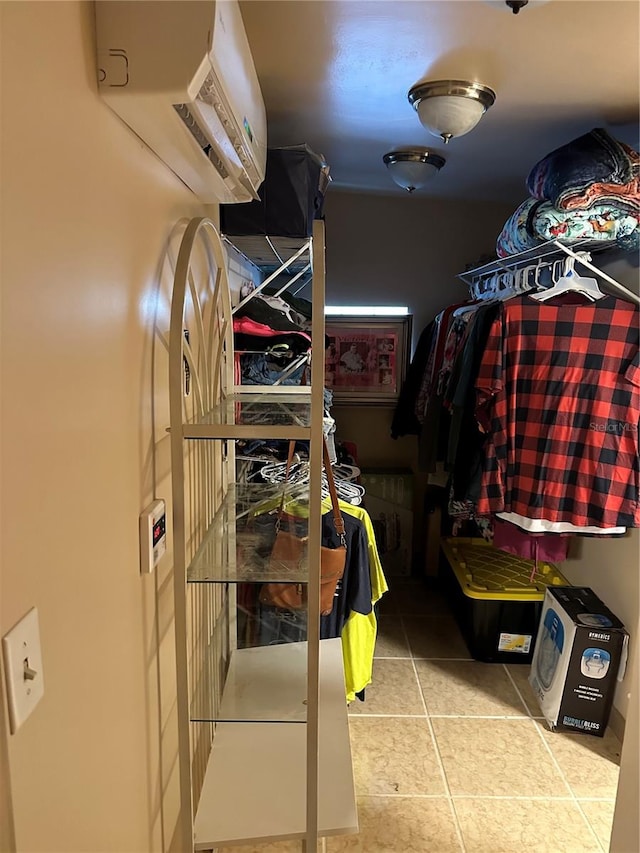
(412,168)
(516,5)
(449,108)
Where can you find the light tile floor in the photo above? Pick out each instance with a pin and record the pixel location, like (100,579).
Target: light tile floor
(452,755)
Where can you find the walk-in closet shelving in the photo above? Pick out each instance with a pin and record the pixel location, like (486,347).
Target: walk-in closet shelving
(482,279)
(264,741)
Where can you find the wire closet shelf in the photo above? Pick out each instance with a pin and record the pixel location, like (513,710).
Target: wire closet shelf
(482,279)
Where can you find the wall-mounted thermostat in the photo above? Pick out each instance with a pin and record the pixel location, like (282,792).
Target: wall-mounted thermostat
(153,535)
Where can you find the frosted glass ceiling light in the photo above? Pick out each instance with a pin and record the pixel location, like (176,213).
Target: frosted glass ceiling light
(449,108)
(411,168)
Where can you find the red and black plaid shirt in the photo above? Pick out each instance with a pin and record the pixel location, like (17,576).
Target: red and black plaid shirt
(559,395)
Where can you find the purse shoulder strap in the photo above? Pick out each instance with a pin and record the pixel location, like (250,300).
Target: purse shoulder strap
(337,515)
(292,449)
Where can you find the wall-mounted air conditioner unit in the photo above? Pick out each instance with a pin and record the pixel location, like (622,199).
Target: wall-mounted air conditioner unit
(181,75)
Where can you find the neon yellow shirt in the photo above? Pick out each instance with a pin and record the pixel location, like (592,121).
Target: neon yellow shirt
(359,633)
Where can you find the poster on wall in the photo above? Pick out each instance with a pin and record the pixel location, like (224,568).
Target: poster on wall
(366,358)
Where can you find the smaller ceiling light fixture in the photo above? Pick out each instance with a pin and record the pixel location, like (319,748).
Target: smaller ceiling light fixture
(412,168)
(449,108)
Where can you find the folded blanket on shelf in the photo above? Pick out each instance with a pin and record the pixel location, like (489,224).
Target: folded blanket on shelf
(593,169)
(517,235)
(537,221)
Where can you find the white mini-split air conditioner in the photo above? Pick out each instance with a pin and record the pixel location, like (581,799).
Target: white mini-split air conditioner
(181,75)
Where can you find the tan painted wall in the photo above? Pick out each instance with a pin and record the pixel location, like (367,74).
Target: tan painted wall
(405,250)
(611,567)
(87,214)
(625,836)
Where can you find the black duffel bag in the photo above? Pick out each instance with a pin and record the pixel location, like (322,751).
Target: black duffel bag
(291,197)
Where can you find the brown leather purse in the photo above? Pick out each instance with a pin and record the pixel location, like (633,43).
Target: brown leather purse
(290,550)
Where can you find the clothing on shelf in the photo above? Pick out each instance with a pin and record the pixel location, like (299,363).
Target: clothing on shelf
(263,339)
(262,310)
(299,304)
(259,368)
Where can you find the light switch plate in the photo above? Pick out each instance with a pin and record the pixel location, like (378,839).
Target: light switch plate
(23,668)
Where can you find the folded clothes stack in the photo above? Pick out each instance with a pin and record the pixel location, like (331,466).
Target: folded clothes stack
(270,340)
(586,189)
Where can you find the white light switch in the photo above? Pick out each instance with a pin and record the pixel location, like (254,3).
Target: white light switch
(23,668)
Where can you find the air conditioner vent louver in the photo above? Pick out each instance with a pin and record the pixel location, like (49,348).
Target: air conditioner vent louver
(194,129)
(209,94)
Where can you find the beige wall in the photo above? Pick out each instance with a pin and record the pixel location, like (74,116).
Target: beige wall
(625,837)
(405,250)
(611,567)
(87,215)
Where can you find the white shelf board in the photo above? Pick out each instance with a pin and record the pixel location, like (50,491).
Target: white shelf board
(267,683)
(255,784)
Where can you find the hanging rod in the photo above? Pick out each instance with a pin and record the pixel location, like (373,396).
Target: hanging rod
(549,251)
(587,263)
(544,250)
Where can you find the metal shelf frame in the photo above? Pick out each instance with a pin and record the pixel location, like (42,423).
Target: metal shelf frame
(208,412)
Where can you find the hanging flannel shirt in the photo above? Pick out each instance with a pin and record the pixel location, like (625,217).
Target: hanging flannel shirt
(559,394)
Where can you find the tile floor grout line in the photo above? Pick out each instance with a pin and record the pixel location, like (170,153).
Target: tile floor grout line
(522,797)
(433,657)
(567,783)
(538,797)
(436,749)
(451,716)
(479,717)
(399,716)
(517,689)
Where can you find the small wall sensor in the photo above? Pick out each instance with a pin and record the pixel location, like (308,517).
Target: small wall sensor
(153,535)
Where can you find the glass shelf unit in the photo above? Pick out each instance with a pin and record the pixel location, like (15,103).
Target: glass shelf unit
(237,545)
(258,692)
(275,414)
